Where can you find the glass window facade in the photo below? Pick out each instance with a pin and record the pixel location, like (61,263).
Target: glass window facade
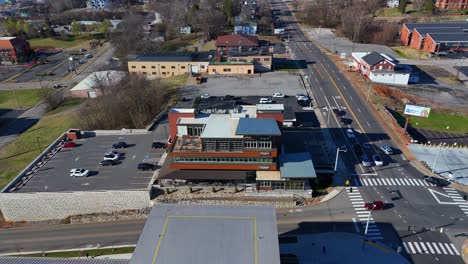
(231,160)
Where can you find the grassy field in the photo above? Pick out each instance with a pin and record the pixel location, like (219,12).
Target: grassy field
(409,53)
(15,156)
(440,121)
(389,12)
(175,81)
(91,253)
(57,43)
(67,104)
(19,99)
(210,45)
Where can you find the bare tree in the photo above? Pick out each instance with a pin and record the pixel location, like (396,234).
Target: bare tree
(210,22)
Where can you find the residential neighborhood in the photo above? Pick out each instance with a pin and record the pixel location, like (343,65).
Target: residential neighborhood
(233,131)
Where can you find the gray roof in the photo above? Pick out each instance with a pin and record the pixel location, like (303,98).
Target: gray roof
(26,260)
(449,37)
(198,234)
(424,31)
(297,165)
(176,56)
(258,126)
(441,26)
(373,58)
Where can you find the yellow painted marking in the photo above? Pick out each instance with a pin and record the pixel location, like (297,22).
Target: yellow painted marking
(254,218)
(377,246)
(318,71)
(160,238)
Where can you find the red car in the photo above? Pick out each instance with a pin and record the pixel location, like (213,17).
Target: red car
(69,145)
(377,205)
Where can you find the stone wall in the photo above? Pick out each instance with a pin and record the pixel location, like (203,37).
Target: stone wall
(276,204)
(59,205)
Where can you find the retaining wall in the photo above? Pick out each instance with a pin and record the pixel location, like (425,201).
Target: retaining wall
(60,205)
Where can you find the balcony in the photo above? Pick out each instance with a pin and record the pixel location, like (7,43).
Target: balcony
(188,144)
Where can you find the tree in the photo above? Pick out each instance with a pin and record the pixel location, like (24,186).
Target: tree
(402,6)
(104,26)
(227,8)
(210,22)
(10,25)
(373,6)
(428,7)
(76,28)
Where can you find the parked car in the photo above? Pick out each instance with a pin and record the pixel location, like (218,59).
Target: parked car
(345,121)
(146,166)
(265,101)
(82,61)
(228,97)
(108,163)
(56,86)
(358,149)
(304,103)
(376,205)
(70,144)
(366,161)
(119,145)
(88,56)
(300,95)
(350,133)
(112,156)
(278,95)
(436,181)
(303,98)
(205,96)
(82,50)
(378,161)
(70,69)
(336,112)
(158,145)
(387,149)
(79,173)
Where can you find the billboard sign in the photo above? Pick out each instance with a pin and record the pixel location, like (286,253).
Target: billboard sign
(417,110)
(278,31)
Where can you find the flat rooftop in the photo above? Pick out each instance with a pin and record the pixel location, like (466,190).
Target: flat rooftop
(54,176)
(197,234)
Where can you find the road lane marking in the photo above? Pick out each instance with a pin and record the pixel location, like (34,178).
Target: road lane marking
(368,124)
(455,249)
(436,248)
(424,248)
(430,248)
(356,227)
(359,110)
(442,248)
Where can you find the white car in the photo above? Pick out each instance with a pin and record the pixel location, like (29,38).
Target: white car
(205,96)
(365,161)
(377,160)
(387,149)
(300,95)
(303,98)
(266,101)
(112,157)
(79,173)
(278,95)
(350,133)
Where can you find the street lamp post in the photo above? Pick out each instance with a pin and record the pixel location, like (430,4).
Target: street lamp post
(437,157)
(338,150)
(368,220)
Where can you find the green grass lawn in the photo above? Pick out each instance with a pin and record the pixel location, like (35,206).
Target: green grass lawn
(19,99)
(440,121)
(389,12)
(24,149)
(67,104)
(57,43)
(409,53)
(92,253)
(176,81)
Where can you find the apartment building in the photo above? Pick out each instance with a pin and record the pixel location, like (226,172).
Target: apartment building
(435,37)
(169,64)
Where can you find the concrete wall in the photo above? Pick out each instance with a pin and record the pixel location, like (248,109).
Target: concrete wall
(390,78)
(59,205)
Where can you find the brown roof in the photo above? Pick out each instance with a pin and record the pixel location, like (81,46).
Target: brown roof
(236,40)
(214,175)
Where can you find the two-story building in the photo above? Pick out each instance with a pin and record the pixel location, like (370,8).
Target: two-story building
(14,50)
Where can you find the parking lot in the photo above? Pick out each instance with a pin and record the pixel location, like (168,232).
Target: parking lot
(437,137)
(54,176)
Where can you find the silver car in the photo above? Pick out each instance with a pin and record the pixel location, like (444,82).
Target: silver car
(365,161)
(377,160)
(387,149)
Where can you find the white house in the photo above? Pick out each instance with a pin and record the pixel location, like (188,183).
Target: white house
(185,30)
(393,3)
(381,68)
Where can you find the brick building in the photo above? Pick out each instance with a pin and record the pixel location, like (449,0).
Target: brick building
(14,50)
(451,4)
(435,37)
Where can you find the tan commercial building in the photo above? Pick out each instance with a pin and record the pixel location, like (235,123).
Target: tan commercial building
(230,68)
(169,64)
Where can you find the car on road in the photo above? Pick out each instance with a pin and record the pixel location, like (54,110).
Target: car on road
(358,149)
(345,121)
(300,95)
(378,161)
(205,96)
(113,156)
(366,161)
(304,103)
(336,112)
(350,133)
(79,173)
(88,56)
(278,95)
(158,145)
(303,98)
(70,144)
(70,69)
(436,181)
(108,163)
(56,86)
(119,145)
(228,97)
(146,166)
(265,101)
(386,149)
(376,205)
(82,61)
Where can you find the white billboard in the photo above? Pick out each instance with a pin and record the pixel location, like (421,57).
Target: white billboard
(417,110)
(279,31)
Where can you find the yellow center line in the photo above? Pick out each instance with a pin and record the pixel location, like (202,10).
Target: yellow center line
(255,241)
(317,70)
(160,238)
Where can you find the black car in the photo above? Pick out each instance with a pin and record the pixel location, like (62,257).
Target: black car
(109,162)
(146,166)
(436,181)
(158,145)
(229,97)
(119,145)
(336,112)
(358,149)
(304,103)
(345,121)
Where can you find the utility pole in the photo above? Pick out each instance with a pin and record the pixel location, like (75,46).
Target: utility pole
(338,150)
(368,220)
(39,145)
(437,157)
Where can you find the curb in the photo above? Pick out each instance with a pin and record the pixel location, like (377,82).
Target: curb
(332,194)
(64,250)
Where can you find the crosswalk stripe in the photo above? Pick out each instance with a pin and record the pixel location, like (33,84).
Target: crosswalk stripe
(417,247)
(362,213)
(356,199)
(448,188)
(419,182)
(371,181)
(455,249)
(406,247)
(436,248)
(380,181)
(430,247)
(424,248)
(407,182)
(357,203)
(364,181)
(413,182)
(400,182)
(411,247)
(393,181)
(449,249)
(442,248)
(424,183)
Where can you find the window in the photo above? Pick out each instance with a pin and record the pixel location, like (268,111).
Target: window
(182,67)
(172,67)
(256,59)
(143,67)
(202,67)
(266,59)
(250,144)
(153,67)
(264,184)
(133,67)
(163,67)
(144,73)
(264,144)
(163,73)
(153,73)
(227,70)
